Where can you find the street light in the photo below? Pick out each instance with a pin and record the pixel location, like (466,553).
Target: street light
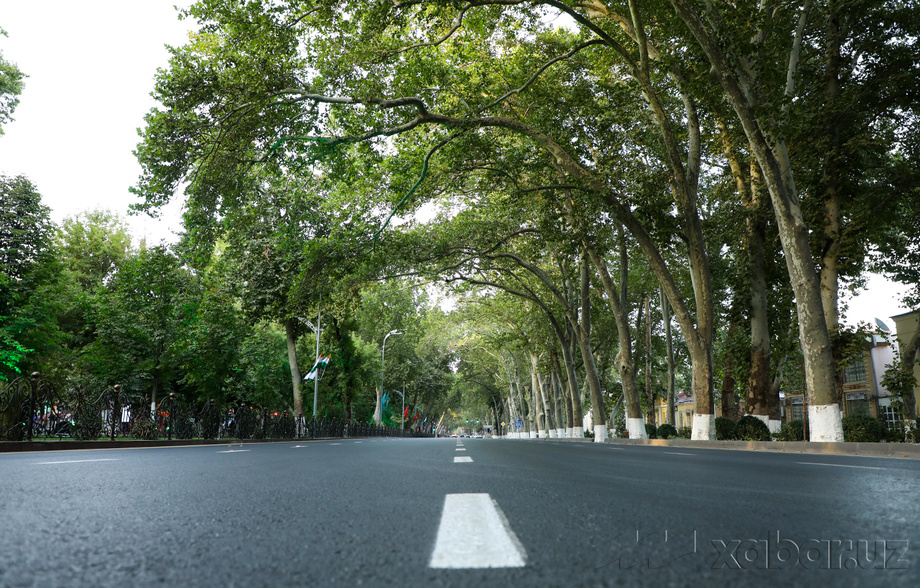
(318,329)
(383,364)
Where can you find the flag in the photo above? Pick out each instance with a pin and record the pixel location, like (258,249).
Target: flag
(321,363)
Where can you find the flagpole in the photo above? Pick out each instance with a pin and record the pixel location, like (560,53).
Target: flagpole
(319,323)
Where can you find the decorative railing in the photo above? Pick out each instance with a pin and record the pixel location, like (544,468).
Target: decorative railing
(31,409)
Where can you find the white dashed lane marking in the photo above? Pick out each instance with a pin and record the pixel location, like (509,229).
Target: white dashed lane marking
(463,459)
(234,451)
(839,465)
(461,449)
(474,533)
(72,461)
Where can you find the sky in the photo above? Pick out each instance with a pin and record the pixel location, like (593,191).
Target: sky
(91,67)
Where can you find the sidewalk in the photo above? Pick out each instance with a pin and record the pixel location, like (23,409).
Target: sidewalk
(68,445)
(908,450)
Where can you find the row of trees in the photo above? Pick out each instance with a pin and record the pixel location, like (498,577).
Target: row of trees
(752,159)
(88,310)
(593,173)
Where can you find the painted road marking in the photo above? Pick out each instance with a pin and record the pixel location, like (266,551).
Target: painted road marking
(461,449)
(335,444)
(72,461)
(234,451)
(475,534)
(838,465)
(463,459)
(676,453)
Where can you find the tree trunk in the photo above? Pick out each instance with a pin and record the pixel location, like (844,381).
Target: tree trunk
(773,157)
(578,429)
(291,338)
(535,389)
(565,394)
(669,343)
(624,359)
(760,401)
(583,331)
(649,393)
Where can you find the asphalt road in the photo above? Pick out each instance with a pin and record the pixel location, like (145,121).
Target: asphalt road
(430,512)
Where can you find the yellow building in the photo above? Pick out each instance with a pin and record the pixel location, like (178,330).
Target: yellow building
(863,392)
(683,410)
(906,326)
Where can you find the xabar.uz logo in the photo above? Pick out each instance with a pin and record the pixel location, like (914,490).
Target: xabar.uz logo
(658,550)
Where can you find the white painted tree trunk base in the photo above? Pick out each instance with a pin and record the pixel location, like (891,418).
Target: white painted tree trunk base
(578,432)
(636,429)
(600,433)
(824,424)
(569,432)
(533,434)
(552,433)
(560,433)
(704,427)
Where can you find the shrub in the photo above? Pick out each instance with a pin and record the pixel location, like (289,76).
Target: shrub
(666,431)
(684,432)
(651,431)
(792,431)
(751,428)
(894,432)
(725,428)
(863,428)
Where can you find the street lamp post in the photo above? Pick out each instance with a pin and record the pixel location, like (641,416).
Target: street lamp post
(383,364)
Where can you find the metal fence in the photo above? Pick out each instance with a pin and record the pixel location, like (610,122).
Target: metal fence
(31,409)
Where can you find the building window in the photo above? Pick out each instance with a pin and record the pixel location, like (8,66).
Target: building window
(855,372)
(858,406)
(891,416)
(798,412)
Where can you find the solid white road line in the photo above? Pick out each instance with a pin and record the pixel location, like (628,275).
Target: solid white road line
(72,461)
(234,451)
(676,453)
(474,533)
(838,465)
(463,459)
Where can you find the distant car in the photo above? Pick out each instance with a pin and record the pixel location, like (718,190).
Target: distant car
(455,435)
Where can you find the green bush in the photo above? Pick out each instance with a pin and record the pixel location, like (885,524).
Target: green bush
(725,428)
(684,432)
(651,431)
(894,432)
(863,428)
(751,428)
(792,431)
(666,431)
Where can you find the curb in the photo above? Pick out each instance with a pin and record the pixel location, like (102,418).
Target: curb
(22,446)
(902,450)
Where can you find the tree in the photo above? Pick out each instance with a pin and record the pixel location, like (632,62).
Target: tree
(25,251)
(147,311)
(11,84)
(93,245)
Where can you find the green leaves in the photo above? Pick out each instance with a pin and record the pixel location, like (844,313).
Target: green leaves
(11,84)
